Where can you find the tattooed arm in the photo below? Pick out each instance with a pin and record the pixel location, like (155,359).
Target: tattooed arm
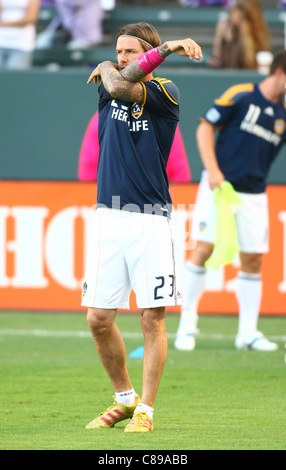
(116,84)
(183,47)
(125,84)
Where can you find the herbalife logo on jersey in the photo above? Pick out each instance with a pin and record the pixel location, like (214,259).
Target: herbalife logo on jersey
(249,124)
(120,113)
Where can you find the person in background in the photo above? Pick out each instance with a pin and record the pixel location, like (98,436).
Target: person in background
(82,19)
(178,170)
(18,20)
(240,36)
(251,121)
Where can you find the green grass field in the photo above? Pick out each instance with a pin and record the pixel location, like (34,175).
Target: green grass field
(52,385)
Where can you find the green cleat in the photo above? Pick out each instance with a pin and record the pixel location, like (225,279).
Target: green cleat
(140,422)
(114,414)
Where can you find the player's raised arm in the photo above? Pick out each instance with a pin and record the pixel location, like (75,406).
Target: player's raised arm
(116,84)
(134,66)
(184,47)
(147,62)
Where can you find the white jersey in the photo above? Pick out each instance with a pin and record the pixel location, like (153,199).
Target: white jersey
(21,38)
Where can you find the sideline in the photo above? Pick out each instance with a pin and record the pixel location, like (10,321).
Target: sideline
(125,334)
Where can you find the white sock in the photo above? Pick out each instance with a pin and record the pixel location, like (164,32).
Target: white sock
(249,294)
(146,408)
(194,279)
(127,398)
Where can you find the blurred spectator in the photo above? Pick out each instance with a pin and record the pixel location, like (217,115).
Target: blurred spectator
(240,36)
(83,20)
(282,4)
(78,24)
(178,169)
(18,20)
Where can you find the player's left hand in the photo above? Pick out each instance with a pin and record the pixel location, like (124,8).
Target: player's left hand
(186,47)
(95,76)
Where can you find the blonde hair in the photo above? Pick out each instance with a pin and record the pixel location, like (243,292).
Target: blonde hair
(143,31)
(254,33)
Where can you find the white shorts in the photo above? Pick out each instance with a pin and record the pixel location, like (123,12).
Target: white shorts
(130,250)
(251,217)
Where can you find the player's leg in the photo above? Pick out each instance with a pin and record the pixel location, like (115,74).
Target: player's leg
(111,350)
(106,288)
(110,346)
(155,352)
(154,359)
(249,294)
(152,266)
(194,273)
(193,283)
(252,230)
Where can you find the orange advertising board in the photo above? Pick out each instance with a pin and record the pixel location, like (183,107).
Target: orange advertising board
(44,230)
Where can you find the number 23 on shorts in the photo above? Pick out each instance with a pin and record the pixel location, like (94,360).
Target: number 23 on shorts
(161,284)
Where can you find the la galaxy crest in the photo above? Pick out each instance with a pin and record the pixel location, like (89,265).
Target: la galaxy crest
(202,226)
(279,126)
(136,110)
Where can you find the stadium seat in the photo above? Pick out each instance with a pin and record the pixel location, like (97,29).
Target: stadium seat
(198,23)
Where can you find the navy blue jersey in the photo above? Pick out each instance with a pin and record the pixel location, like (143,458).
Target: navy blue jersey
(252,130)
(135,141)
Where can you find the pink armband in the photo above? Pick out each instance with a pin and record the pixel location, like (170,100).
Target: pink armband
(150,60)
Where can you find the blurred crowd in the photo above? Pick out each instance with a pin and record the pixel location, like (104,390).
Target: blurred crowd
(238,38)
(241,40)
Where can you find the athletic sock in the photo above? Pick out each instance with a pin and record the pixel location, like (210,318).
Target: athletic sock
(146,408)
(127,398)
(194,278)
(249,294)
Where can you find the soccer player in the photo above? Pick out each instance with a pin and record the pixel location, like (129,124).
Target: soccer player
(132,245)
(251,124)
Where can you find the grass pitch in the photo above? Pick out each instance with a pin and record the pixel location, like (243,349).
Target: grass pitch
(53,384)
